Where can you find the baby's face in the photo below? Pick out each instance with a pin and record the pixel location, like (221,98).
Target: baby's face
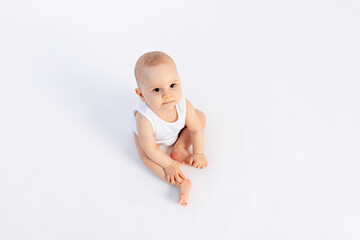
(160,87)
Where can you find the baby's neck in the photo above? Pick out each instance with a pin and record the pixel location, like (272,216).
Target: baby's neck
(168,115)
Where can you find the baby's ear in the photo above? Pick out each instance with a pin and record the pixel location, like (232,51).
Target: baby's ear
(138,92)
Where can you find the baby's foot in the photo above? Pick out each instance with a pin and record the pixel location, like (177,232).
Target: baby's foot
(181,154)
(184,190)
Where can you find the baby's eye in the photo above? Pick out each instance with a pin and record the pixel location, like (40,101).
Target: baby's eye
(156,90)
(173,85)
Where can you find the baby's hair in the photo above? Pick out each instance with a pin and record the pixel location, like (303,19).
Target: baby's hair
(150,59)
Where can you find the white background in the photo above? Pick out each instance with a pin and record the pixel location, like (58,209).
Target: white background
(277,80)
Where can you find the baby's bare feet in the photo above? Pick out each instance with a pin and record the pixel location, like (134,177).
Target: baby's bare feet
(184,190)
(181,154)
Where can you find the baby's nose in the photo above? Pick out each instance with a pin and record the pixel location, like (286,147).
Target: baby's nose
(167,94)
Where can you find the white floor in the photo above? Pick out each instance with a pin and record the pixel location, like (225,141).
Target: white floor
(279,82)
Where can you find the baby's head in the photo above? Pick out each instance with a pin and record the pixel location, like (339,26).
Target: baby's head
(158,81)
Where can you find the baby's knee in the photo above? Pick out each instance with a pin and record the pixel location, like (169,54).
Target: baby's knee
(202,117)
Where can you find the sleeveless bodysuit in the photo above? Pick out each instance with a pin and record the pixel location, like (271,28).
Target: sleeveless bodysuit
(165,132)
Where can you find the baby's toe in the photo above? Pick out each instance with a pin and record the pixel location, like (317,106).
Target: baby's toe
(183,202)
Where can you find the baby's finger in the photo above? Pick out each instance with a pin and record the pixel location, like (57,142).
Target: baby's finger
(173,179)
(191,160)
(178,178)
(168,178)
(182,175)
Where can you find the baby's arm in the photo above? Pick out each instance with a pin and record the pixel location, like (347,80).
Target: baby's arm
(196,130)
(152,150)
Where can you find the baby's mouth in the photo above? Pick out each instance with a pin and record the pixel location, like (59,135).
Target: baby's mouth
(168,102)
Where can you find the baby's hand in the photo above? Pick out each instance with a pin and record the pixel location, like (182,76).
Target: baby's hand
(173,173)
(198,161)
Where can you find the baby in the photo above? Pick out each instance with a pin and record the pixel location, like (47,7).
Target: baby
(164,116)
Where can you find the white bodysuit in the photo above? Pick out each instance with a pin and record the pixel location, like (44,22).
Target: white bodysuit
(165,132)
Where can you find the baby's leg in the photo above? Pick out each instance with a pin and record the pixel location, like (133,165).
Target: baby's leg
(180,151)
(183,188)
